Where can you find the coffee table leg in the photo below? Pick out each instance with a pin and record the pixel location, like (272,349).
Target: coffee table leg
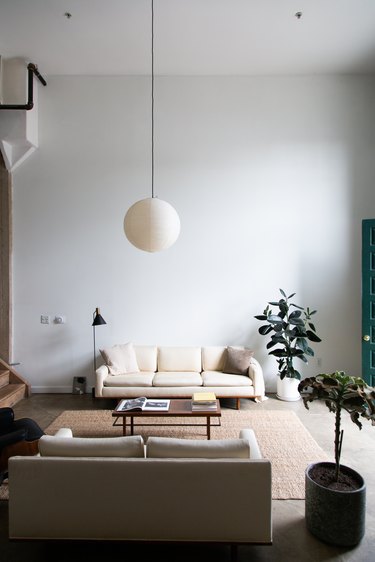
(208,427)
(124,425)
(131,425)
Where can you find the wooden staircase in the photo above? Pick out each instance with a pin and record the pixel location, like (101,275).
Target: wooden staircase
(13,387)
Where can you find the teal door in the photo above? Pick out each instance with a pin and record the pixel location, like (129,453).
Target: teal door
(368,301)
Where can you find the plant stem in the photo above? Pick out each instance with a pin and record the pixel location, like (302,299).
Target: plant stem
(338,441)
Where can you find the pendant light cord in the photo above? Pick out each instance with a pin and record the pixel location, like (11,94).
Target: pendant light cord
(152,98)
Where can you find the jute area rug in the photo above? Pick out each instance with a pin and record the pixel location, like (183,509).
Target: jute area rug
(282,438)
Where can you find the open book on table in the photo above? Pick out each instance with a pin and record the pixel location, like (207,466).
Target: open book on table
(144,404)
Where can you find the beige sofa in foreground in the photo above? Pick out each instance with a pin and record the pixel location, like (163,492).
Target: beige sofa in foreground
(170,489)
(177,372)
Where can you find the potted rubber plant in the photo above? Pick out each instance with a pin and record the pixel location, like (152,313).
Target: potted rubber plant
(335,501)
(291,330)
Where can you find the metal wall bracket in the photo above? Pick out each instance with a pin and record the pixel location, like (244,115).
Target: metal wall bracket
(31,69)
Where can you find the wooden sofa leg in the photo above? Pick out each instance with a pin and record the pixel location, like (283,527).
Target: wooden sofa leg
(238,405)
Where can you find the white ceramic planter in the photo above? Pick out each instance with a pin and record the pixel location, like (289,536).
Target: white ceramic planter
(287,389)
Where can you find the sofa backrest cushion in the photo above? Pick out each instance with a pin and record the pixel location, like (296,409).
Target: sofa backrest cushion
(213,358)
(147,357)
(120,359)
(169,447)
(131,446)
(180,359)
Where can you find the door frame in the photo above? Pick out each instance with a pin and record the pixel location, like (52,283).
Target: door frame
(368,301)
(6,343)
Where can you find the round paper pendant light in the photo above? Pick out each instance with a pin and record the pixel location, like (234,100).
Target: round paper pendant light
(152,225)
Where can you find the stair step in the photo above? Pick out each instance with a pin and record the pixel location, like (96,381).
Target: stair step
(4,377)
(11,394)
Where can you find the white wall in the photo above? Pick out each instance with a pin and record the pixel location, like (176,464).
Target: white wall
(271,178)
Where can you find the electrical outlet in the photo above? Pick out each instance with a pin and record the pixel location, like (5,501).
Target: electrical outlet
(44,319)
(59,319)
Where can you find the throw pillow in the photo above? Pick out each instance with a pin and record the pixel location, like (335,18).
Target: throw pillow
(120,359)
(237,361)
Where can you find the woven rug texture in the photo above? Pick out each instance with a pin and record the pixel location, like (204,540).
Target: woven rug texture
(281,436)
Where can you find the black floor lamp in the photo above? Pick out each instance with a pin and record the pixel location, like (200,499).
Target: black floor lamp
(98,320)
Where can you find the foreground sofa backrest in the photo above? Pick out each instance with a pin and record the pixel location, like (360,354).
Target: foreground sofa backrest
(226,500)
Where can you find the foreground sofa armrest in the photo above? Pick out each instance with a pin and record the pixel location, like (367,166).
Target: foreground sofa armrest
(64,432)
(249,435)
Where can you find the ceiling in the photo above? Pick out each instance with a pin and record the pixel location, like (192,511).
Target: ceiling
(192,37)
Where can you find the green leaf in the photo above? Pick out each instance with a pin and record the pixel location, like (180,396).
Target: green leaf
(264,330)
(311,325)
(261,317)
(302,344)
(296,306)
(312,336)
(296,321)
(295,314)
(283,293)
(278,353)
(274,319)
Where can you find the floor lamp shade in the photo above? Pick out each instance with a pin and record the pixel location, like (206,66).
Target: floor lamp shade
(152,225)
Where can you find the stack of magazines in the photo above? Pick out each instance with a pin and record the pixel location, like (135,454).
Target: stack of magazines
(204,401)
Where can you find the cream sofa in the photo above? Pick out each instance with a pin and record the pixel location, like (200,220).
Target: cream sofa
(119,488)
(177,372)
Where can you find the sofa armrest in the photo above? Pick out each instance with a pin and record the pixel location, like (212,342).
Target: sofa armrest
(100,374)
(64,432)
(256,375)
(249,435)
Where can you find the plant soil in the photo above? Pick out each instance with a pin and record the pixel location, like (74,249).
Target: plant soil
(325,476)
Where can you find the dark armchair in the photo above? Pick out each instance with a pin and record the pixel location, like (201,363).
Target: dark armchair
(17,437)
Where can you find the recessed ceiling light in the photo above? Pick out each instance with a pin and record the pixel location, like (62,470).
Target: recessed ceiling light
(298,15)
(68,15)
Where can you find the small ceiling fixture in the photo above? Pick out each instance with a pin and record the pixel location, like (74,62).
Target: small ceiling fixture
(152,224)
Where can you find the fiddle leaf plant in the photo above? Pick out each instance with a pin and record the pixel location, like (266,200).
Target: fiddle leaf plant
(340,392)
(291,329)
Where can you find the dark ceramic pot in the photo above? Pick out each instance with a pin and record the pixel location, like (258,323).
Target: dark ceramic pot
(335,517)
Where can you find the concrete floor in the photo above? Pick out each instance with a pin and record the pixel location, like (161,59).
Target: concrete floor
(291,540)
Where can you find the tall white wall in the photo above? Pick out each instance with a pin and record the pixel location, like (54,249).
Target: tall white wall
(271,178)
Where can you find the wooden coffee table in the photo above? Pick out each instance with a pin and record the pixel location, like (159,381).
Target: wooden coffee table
(178,408)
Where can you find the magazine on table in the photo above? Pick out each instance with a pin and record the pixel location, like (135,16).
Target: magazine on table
(143,404)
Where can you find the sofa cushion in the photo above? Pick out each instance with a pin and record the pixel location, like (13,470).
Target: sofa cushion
(215,378)
(52,446)
(177,378)
(213,358)
(237,360)
(120,359)
(130,379)
(168,447)
(147,357)
(180,359)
